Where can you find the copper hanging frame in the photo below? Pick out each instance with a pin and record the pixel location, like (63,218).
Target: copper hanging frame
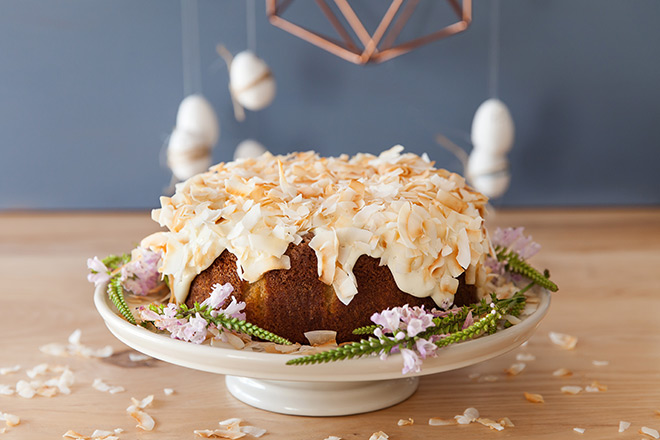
(375,48)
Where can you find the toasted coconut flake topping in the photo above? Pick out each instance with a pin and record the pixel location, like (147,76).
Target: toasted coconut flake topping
(567,342)
(380,435)
(562,372)
(623,426)
(168,391)
(506,422)
(321,337)
(571,389)
(579,430)
(425,224)
(653,433)
(138,357)
(404,422)
(515,369)
(145,421)
(534,398)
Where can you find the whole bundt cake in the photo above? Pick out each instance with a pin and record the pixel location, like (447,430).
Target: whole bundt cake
(312,243)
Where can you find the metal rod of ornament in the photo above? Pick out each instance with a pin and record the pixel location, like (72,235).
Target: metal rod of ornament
(386,32)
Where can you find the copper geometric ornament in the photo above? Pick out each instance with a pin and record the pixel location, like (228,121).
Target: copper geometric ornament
(377,47)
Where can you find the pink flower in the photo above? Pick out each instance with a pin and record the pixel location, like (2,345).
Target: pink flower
(100,273)
(218,296)
(141,274)
(389,319)
(425,348)
(411,361)
(469,320)
(515,240)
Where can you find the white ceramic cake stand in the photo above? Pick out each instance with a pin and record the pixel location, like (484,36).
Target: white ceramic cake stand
(263,380)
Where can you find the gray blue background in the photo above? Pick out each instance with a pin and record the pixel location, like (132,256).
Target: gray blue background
(89,91)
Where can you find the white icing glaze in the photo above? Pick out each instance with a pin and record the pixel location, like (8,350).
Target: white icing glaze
(424,223)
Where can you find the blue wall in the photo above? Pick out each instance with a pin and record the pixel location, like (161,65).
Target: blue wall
(89,91)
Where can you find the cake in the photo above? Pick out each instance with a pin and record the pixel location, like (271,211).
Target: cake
(311,243)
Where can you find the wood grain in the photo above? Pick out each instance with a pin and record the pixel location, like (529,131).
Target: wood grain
(606,262)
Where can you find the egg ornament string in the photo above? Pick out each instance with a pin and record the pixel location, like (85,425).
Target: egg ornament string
(492,134)
(251,82)
(189,147)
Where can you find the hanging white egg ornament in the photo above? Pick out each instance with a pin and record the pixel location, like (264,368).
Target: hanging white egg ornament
(251,81)
(187,154)
(249,148)
(191,142)
(493,133)
(196,115)
(492,128)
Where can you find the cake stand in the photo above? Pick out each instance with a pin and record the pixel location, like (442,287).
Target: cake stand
(355,386)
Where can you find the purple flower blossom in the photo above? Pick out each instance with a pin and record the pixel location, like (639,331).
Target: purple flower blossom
(195,328)
(515,240)
(469,320)
(411,361)
(100,273)
(141,274)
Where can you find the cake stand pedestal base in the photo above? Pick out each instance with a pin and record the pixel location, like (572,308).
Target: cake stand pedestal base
(321,398)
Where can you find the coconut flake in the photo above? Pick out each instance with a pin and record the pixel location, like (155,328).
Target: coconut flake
(653,433)
(145,421)
(333,437)
(435,421)
(571,389)
(489,378)
(321,337)
(567,342)
(404,422)
(75,348)
(525,357)
(168,391)
(380,435)
(8,370)
(253,431)
(6,390)
(25,389)
(515,369)
(492,424)
(10,419)
(600,363)
(595,387)
(138,357)
(623,426)
(579,430)
(104,387)
(506,422)
(562,372)
(534,398)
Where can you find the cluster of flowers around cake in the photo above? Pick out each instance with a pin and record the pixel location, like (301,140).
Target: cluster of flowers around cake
(414,332)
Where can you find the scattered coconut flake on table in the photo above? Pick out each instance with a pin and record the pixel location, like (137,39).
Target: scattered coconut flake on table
(653,433)
(8,370)
(138,357)
(568,389)
(567,342)
(492,424)
(469,415)
(534,398)
(253,431)
(505,421)
(436,421)
(515,369)
(525,357)
(10,419)
(562,372)
(98,434)
(168,391)
(488,378)
(104,387)
(380,435)
(6,390)
(579,430)
(230,429)
(403,422)
(473,376)
(75,348)
(623,426)
(595,387)
(332,437)
(600,363)
(145,421)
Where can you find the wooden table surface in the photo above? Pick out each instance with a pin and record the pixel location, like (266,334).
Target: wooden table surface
(606,262)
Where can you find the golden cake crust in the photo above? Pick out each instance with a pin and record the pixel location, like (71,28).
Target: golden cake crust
(294,301)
